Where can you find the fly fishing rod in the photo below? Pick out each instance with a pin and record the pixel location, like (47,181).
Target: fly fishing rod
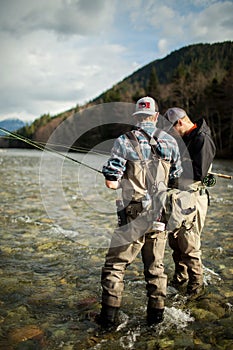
(73,148)
(42,148)
(224,176)
(210,179)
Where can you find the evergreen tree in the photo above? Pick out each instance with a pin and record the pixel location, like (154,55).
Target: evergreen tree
(153,85)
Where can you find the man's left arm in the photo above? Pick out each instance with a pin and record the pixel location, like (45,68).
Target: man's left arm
(204,155)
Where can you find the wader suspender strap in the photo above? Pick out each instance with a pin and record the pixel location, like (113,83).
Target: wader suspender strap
(151,139)
(131,136)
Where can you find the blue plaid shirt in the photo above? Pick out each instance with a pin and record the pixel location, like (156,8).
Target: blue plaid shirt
(166,148)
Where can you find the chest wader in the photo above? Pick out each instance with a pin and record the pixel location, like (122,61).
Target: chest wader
(144,185)
(138,209)
(186,215)
(147,182)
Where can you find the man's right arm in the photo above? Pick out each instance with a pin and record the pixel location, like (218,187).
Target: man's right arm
(114,169)
(113,185)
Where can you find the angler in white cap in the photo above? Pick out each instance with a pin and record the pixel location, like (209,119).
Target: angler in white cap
(142,163)
(189,207)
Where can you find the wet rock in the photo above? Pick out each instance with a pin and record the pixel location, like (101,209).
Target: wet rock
(9,284)
(17,315)
(59,333)
(150,344)
(6,250)
(25,333)
(40,299)
(88,309)
(4,345)
(183,342)
(228,294)
(46,246)
(165,344)
(213,307)
(198,343)
(83,304)
(226,330)
(132,273)
(46,221)
(203,315)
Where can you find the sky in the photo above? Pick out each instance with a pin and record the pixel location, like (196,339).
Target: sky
(56,54)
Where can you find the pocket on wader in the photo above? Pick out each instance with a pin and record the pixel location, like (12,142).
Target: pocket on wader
(180,209)
(133,209)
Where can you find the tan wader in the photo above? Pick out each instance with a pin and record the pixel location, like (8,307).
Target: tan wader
(188,212)
(119,257)
(129,240)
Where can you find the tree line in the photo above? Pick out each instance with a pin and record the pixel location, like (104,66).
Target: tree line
(197,78)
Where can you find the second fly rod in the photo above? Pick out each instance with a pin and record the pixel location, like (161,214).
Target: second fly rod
(45,148)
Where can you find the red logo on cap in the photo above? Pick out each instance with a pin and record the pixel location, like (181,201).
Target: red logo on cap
(144,105)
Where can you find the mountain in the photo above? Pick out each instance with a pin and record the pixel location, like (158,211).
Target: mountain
(198,78)
(11,125)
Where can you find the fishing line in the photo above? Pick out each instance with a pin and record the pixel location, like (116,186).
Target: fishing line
(72,148)
(42,148)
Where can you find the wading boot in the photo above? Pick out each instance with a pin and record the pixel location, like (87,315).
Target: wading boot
(177,281)
(154,316)
(108,317)
(195,290)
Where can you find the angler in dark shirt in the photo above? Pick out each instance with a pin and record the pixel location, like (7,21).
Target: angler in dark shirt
(197,151)
(200,146)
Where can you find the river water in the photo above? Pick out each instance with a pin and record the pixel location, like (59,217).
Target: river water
(56,222)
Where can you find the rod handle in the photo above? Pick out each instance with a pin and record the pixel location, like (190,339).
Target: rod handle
(222,175)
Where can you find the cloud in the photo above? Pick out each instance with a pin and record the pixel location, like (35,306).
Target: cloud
(48,75)
(184,23)
(215,23)
(77,17)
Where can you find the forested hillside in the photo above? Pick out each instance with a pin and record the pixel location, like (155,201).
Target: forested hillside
(198,78)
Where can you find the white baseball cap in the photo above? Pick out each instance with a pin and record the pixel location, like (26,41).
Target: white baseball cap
(146,105)
(174,114)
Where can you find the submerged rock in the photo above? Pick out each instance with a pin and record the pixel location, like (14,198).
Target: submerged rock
(25,333)
(213,307)
(203,315)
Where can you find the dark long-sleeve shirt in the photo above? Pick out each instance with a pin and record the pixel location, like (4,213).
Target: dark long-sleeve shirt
(201,151)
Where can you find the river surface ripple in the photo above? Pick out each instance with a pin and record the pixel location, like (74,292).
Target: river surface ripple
(56,220)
